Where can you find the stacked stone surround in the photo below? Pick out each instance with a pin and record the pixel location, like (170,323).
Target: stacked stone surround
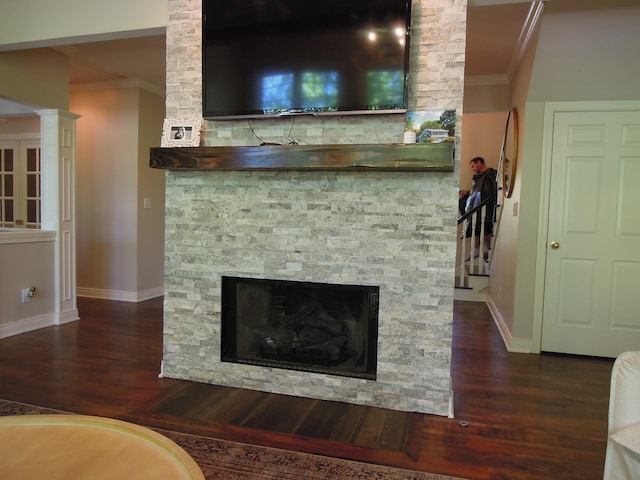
(391,229)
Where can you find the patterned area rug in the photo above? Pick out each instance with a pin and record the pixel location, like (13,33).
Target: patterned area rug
(221,459)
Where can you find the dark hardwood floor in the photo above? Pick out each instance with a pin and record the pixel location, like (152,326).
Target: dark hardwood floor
(526,416)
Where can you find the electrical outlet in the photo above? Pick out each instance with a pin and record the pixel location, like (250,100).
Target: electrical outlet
(26,295)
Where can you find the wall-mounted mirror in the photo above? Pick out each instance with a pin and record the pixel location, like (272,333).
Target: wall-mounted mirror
(509,153)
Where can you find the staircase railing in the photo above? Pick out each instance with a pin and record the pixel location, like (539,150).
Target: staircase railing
(470,260)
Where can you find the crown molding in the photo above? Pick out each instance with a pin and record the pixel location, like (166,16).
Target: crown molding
(528,29)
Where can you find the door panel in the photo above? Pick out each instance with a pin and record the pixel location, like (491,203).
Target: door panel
(591,304)
(629,201)
(576,292)
(625,300)
(581,205)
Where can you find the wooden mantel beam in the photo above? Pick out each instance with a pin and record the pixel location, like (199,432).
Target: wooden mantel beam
(380,157)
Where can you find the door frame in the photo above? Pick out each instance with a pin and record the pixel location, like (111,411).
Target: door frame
(550,109)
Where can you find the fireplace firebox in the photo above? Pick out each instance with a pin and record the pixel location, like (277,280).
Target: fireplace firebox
(316,327)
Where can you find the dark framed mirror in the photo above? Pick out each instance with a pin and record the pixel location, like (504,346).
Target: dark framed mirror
(509,153)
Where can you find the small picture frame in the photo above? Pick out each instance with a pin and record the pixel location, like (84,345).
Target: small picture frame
(181,132)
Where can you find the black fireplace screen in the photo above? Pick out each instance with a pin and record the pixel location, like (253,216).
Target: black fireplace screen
(305,326)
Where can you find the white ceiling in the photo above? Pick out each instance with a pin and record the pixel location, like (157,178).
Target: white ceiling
(494,28)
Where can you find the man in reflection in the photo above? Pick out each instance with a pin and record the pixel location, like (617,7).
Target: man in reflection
(483,188)
(506,170)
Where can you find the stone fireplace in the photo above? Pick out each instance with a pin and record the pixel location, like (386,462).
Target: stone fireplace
(392,230)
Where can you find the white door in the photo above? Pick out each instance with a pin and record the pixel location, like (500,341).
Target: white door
(592,277)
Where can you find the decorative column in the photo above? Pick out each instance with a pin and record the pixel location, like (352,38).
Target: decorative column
(58,148)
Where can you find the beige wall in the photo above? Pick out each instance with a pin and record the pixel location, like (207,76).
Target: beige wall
(106,175)
(118,242)
(511,245)
(11,126)
(483,134)
(38,77)
(150,186)
(26,262)
(588,51)
(486,97)
(33,23)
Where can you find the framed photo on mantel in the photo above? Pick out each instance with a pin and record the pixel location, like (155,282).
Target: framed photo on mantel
(181,132)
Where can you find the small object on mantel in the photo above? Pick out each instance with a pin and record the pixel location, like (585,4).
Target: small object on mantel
(380,157)
(409,137)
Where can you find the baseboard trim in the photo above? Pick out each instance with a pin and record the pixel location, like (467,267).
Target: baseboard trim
(134,297)
(67,317)
(27,325)
(452,403)
(512,344)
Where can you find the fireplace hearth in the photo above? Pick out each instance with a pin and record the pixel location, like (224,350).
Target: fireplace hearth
(316,327)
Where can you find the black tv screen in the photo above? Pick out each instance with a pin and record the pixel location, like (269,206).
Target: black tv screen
(282,57)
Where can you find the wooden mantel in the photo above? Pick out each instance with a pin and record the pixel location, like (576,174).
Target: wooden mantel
(380,157)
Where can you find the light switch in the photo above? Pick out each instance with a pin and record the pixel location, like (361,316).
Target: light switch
(515,209)
(147,203)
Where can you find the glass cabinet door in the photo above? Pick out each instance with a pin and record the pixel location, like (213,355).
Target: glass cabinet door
(20,191)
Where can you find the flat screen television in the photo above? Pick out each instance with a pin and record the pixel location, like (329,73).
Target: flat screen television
(264,58)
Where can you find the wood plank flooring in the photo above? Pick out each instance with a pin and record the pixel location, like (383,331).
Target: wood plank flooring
(527,416)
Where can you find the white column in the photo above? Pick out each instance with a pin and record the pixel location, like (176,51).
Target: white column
(58,155)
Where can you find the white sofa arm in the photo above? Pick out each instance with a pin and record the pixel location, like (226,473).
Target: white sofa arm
(623,445)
